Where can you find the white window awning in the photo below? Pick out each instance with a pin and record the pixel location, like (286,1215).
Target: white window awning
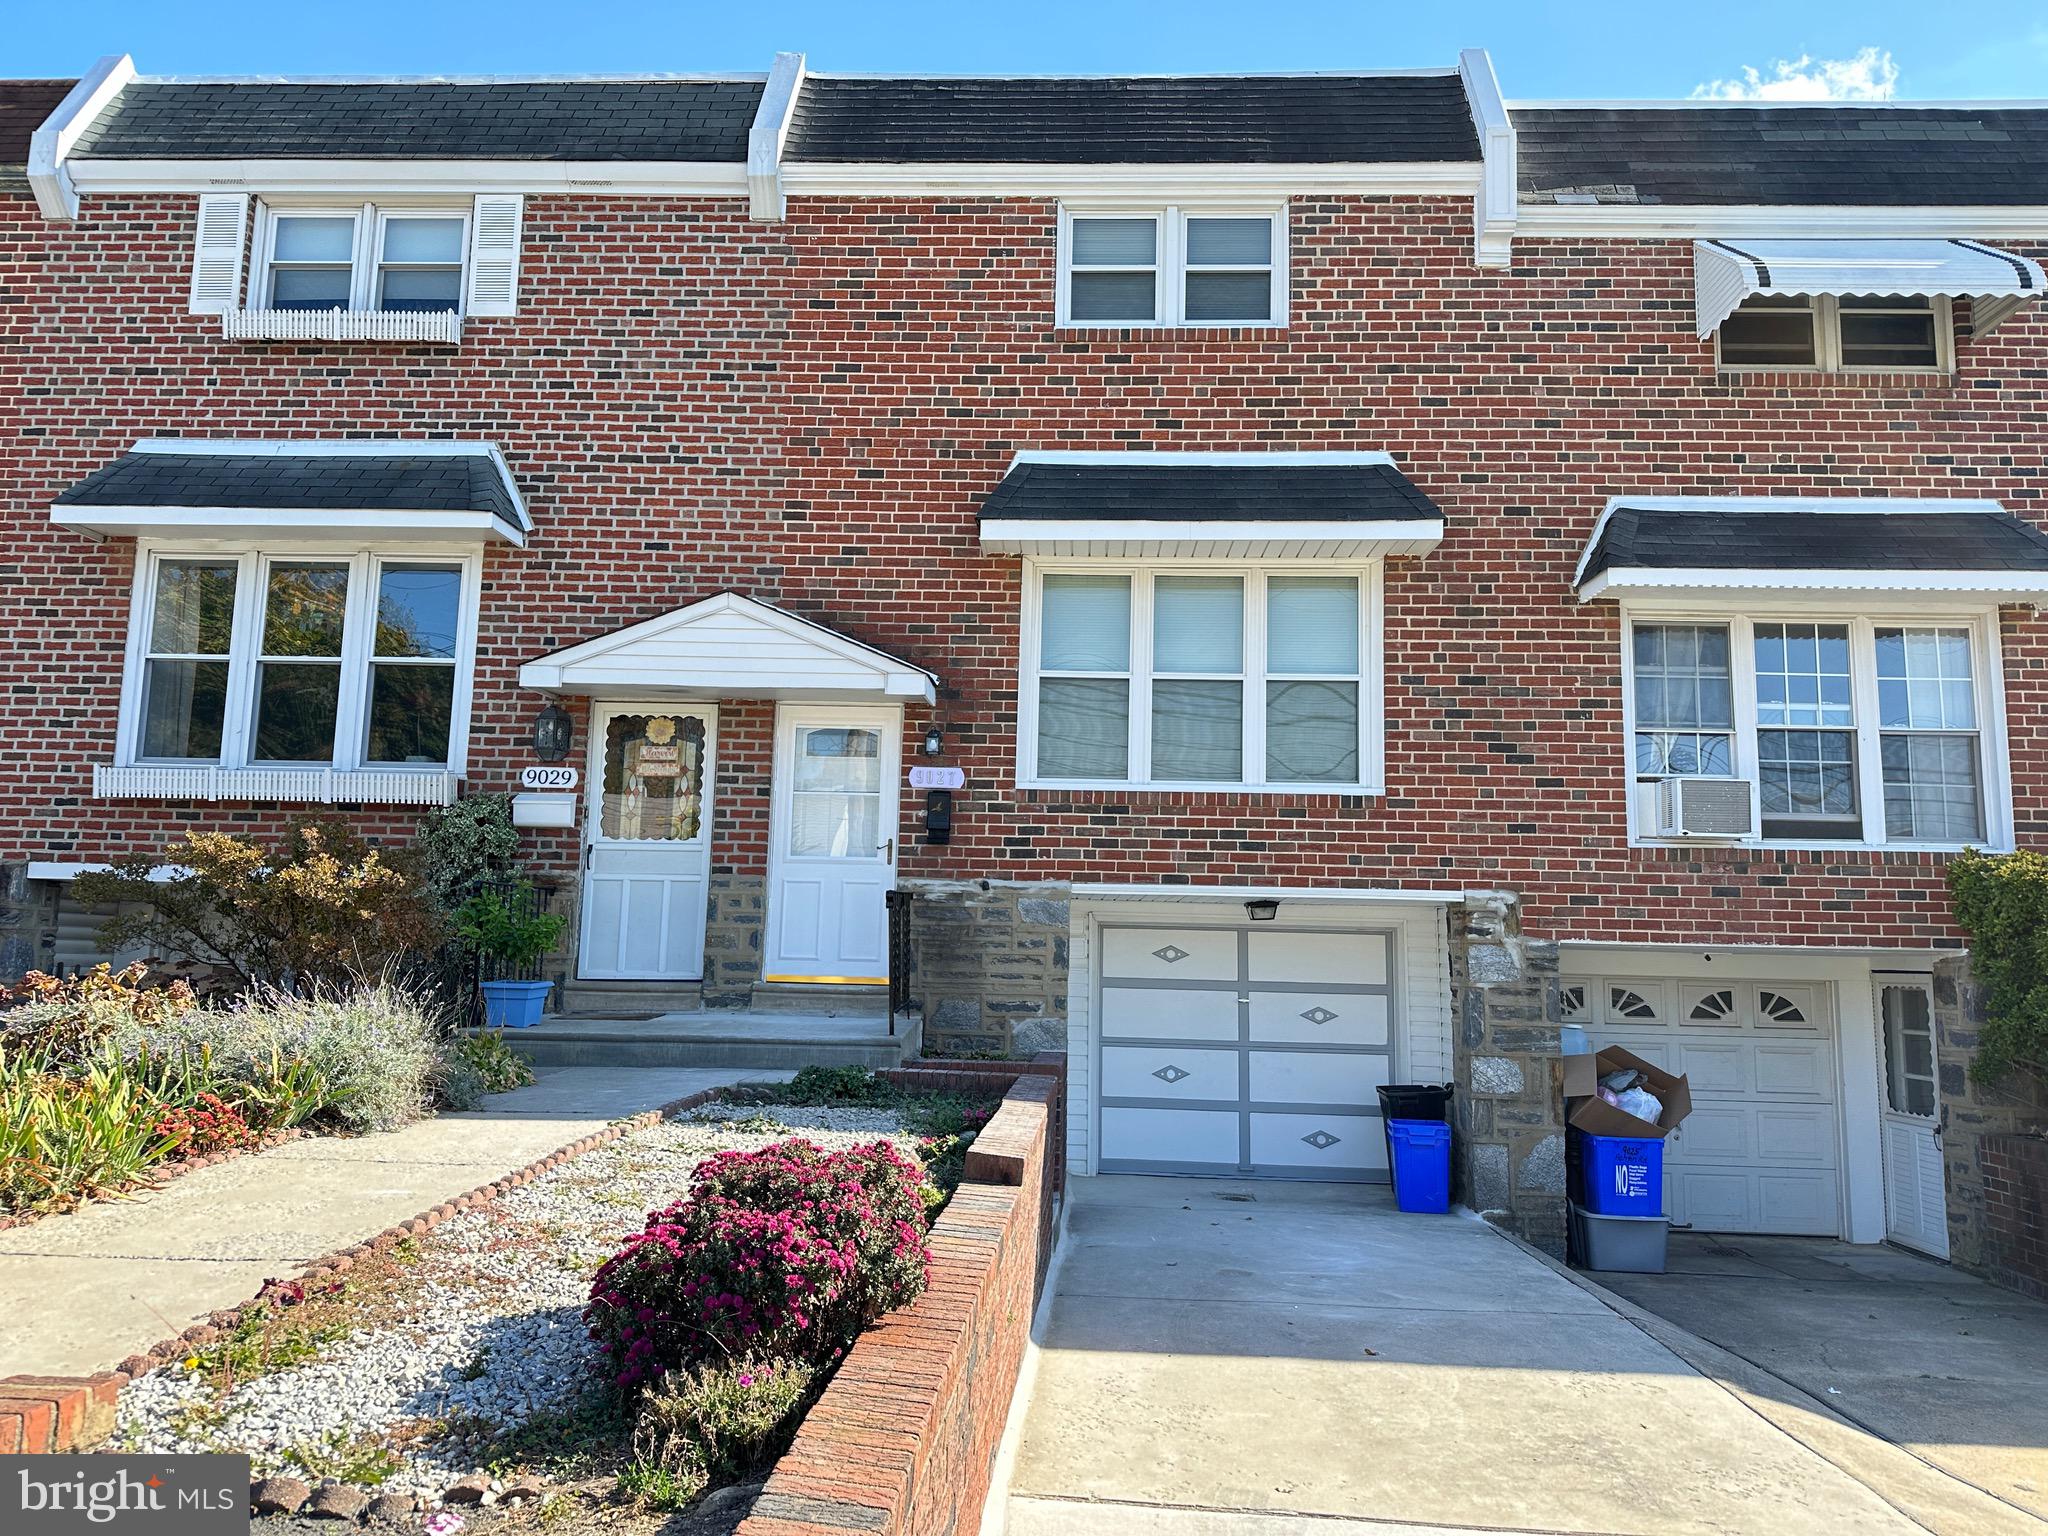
(729,647)
(1997,282)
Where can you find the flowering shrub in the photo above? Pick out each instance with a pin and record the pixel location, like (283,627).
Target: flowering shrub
(208,1125)
(720,1424)
(787,1252)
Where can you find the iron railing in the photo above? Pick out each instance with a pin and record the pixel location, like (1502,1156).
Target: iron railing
(451,973)
(901,961)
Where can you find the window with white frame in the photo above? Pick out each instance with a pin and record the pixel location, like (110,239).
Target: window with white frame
(1173,267)
(1850,334)
(277,659)
(1193,676)
(1853,729)
(394,260)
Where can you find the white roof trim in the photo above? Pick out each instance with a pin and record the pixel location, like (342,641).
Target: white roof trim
(1196,459)
(453,178)
(49,147)
(770,132)
(1680,221)
(654,656)
(1262,539)
(1156,183)
(1726,272)
(1494,205)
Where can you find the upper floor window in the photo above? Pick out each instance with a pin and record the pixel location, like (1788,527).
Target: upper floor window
(389,260)
(1851,730)
(1196,677)
(1846,334)
(281,659)
(1173,267)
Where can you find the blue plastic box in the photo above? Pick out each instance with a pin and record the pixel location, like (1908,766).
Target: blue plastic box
(1422,1164)
(1620,1175)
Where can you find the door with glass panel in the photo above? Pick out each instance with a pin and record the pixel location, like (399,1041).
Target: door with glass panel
(1915,1197)
(647,862)
(832,858)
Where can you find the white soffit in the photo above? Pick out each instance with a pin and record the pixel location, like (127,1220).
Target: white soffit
(1728,271)
(729,647)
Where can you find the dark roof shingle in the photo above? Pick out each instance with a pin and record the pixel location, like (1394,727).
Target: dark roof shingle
(659,120)
(1726,539)
(1236,493)
(1852,156)
(368,482)
(24,106)
(1292,119)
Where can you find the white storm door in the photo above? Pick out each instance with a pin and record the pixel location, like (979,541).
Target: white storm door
(1915,1199)
(832,850)
(647,857)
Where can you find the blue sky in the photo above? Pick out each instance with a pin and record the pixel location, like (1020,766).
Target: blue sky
(1592,49)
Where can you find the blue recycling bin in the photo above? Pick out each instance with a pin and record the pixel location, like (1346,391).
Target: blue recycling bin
(1422,1164)
(1620,1175)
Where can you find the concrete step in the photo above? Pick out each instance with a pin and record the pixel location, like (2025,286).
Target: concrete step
(734,1038)
(626,999)
(824,999)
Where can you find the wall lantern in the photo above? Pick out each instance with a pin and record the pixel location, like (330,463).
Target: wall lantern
(553,730)
(1262,909)
(934,739)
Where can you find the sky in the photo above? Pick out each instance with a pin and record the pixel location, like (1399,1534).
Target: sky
(1790,49)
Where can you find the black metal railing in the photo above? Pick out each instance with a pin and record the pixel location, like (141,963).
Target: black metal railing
(451,973)
(901,961)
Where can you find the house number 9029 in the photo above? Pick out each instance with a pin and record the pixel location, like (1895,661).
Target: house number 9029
(548,776)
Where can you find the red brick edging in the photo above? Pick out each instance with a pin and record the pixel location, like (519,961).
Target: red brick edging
(75,1413)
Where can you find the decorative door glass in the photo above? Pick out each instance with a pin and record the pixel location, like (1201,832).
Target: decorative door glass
(653,778)
(1908,1051)
(836,797)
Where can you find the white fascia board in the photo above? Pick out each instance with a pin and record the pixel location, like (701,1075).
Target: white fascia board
(1671,221)
(49,170)
(1131,537)
(289,522)
(765,139)
(1155,183)
(1086,890)
(1496,204)
(2000,586)
(453,178)
(1196,459)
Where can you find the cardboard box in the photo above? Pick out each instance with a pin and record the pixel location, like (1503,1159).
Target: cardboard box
(1597,1117)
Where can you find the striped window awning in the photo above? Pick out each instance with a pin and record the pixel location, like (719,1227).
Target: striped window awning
(1996,282)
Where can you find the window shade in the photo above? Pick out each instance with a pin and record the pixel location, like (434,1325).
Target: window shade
(1115,242)
(1198,624)
(1086,625)
(1312,624)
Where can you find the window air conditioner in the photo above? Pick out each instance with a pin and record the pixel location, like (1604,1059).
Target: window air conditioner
(1710,808)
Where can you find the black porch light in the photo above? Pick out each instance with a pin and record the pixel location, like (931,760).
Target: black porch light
(934,740)
(553,730)
(1262,909)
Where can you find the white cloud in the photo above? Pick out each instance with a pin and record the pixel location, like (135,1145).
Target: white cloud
(1869,75)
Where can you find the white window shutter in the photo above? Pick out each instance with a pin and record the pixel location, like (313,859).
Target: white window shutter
(494,255)
(217,252)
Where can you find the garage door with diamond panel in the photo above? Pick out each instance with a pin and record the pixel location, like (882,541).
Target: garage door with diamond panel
(1248,1050)
(1759,1153)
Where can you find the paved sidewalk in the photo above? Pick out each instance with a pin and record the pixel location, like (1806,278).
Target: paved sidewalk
(80,1293)
(1226,1358)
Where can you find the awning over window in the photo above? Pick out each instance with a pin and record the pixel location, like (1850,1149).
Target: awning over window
(1645,545)
(359,489)
(1728,271)
(1229,505)
(729,646)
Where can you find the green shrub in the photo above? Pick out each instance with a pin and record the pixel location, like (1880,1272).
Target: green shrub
(511,933)
(497,1065)
(65,1021)
(70,1131)
(722,1424)
(837,1085)
(461,845)
(2001,902)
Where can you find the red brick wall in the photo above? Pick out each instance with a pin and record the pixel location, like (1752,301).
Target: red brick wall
(903,1440)
(811,411)
(2014,1249)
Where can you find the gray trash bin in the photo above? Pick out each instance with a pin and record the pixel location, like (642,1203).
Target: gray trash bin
(1630,1244)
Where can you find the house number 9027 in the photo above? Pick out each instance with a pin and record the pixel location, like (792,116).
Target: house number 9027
(548,776)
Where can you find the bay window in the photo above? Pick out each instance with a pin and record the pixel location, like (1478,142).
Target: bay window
(1197,676)
(1853,730)
(267,660)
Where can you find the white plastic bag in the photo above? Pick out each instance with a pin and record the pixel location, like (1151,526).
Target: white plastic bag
(1641,1103)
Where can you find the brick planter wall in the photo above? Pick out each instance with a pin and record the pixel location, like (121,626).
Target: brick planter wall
(903,1440)
(2014,1249)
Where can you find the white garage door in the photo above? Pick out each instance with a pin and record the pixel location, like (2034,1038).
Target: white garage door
(1759,1152)
(1250,1050)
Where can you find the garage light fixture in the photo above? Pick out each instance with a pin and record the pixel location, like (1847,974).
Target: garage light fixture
(1262,910)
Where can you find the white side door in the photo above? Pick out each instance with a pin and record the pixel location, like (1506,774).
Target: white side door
(647,849)
(832,849)
(1915,1199)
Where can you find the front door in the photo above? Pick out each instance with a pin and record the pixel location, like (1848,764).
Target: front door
(1915,1202)
(647,857)
(832,858)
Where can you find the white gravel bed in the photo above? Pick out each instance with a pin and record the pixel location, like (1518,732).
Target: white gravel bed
(490,1327)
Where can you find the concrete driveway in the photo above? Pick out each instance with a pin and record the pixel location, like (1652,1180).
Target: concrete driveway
(1927,1357)
(1259,1359)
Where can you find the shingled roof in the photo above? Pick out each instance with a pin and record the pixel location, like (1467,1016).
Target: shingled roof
(24,104)
(1855,156)
(650,120)
(1196,492)
(1276,119)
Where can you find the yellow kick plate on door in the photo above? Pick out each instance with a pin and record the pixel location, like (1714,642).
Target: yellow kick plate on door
(834,981)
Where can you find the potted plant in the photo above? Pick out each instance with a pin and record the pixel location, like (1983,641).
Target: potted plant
(515,935)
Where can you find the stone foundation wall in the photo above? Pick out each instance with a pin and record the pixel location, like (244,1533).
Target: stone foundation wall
(734,917)
(1981,1126)
(990,965)
(1508,1109)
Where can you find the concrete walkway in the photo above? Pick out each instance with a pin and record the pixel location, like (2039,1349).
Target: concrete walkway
(80,1293)
(1253,1359)
(1924,1355)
